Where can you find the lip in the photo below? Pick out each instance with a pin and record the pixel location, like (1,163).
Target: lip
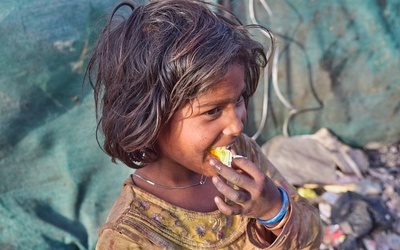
(222,147)
(228,146)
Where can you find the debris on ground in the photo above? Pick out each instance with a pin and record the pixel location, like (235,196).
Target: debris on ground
(367,216)
(358,195)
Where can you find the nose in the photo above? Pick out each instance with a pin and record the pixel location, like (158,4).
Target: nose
(234,121)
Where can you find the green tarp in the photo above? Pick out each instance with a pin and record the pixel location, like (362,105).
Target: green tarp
(56,186)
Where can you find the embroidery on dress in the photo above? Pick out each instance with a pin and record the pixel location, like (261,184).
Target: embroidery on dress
(157,218)
(200,230)
(143,205)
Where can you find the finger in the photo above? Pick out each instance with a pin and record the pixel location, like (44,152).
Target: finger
(227,209)
(216,164)
(221,185)
(222,169)
(238,196)
(239,157)
(231,175)
(230,193)
(248,167)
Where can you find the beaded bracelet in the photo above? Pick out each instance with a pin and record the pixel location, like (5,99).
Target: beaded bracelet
(281,213)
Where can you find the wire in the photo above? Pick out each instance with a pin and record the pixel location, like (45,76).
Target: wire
(287,104)
(265,78)
(266,7)
(265,106)
(275,60)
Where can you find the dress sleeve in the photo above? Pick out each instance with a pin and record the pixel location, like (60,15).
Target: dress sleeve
(303,229)
(115,234)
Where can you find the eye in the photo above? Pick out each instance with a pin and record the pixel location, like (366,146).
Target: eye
(240,100)
(213,112)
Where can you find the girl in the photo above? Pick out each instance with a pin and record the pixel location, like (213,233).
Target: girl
(171,84)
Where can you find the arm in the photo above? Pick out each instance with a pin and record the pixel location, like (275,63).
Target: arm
(258,197)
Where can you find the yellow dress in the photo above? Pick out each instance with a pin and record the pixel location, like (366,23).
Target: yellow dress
(140,220)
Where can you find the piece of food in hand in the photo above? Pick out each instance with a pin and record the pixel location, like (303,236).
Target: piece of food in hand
(223,155)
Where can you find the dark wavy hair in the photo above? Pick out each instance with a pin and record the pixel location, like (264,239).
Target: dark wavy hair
(146,66)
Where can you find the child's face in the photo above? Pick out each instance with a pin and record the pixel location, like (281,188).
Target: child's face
(214,119)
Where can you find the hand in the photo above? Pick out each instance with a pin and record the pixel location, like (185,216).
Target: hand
(256,195)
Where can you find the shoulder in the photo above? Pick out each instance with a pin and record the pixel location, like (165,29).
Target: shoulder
(123,203)
(121,229)
(248,147)
(245,144)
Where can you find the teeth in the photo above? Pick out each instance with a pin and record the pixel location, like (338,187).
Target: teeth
(223,154)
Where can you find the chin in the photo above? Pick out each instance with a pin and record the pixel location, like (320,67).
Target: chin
(209,170)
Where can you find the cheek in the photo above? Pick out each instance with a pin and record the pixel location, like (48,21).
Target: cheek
(200,142)
(192,141)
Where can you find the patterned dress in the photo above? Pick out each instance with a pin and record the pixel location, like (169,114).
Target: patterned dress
(140,220)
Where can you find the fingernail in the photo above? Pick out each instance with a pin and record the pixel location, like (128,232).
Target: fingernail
(239,157)
(214,180)
(214,163)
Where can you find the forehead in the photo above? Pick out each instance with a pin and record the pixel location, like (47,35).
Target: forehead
(232,81)
(224,91)
(228,89)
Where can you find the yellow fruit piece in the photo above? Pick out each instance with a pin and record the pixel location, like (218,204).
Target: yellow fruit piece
(223,155)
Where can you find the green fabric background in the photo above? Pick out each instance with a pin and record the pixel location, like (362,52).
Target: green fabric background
(339,63)
(56,185)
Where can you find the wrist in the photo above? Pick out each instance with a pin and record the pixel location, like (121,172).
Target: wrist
(282,212)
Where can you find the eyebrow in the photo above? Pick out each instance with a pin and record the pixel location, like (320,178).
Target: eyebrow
(217,102)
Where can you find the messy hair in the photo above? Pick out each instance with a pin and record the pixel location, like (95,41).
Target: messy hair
(150,64)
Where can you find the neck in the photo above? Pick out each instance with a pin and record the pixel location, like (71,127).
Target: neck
(167,175)
(173,176)
(202,181)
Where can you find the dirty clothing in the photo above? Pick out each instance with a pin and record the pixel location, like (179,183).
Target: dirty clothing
(139,220)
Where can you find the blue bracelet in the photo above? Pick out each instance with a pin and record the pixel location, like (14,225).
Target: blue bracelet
(281,213)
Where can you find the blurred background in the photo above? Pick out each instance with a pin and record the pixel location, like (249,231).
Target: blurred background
(336,66)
